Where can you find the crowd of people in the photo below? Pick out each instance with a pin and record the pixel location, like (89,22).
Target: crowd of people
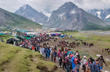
(68,60)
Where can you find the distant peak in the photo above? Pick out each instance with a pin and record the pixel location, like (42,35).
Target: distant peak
(69,2)
(25,6)
(68,5)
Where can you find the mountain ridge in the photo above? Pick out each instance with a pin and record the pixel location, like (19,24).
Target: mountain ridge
(13,20)
(101,13)
(32,14)
(75,17)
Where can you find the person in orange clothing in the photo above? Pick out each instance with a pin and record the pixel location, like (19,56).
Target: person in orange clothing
(33,47)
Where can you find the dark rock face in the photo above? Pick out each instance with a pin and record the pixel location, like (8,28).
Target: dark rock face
(32,14)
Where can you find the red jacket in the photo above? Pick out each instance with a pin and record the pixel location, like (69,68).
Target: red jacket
(33,47)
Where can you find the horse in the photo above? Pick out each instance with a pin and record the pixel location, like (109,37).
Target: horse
(109,51)
(106,49)
(91,44)
(84,43)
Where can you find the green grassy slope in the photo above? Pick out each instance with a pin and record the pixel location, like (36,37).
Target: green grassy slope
(13,20)
(92,26)
(16,59)
(5,37)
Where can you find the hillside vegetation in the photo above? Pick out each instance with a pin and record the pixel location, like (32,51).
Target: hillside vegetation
(16,59)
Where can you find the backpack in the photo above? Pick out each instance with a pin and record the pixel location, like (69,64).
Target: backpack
(75,61)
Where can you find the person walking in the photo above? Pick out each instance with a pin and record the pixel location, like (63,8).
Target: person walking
(45,51)
(54,56)
(72,62)
(83,63)
(101,61)
(96,67)
(78,62)
(60,55)
(64,64)
(48,52)
(67,63)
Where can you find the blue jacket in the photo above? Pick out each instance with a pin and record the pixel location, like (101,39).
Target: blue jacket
(96,67)
(48,52)
(72,62)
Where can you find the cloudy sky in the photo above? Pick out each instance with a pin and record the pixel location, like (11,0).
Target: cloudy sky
(40,5)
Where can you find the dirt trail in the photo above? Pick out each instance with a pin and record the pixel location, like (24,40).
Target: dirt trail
(52,43)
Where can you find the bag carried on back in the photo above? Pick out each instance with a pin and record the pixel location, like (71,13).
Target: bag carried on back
(75,61)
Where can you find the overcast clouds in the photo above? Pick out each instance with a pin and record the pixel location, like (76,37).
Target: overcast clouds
(40,5)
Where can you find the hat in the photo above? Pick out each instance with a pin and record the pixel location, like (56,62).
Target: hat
(84,56)
(52,46)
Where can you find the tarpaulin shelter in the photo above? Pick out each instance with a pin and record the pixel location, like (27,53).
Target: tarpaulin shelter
(69,52)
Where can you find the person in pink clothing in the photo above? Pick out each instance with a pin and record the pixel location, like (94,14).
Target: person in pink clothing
(60,55)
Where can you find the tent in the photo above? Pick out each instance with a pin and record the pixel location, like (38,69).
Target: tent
(20,38)
(59,35)
(47,35)
(12,40)
(62,36)
(1,33)
(53,34)
(28,37)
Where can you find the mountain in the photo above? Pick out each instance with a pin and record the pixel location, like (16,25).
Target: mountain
(101,13)
(32,14)
(8,19)
(70,16)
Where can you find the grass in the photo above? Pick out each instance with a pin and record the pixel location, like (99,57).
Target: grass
(92,26)
(5,37)
(16,59)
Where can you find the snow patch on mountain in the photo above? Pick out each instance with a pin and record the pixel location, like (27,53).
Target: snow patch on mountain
(108,16)
(41,23)
(61,15)
(73,11)
(99,13)
(33,19)
(47,14)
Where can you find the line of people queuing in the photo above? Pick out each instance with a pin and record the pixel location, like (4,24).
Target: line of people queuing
(71,62)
